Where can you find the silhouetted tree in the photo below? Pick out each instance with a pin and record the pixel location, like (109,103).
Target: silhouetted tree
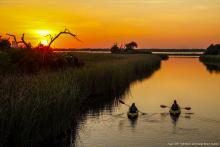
(213,49)
(115,48)
(131,45)
(27,44)
(14,37)
(66,31)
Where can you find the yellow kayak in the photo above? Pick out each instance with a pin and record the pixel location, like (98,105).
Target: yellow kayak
(132,115)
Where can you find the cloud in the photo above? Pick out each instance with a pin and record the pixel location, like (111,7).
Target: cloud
(146,1)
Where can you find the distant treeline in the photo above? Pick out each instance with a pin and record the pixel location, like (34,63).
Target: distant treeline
(212,50)
(211,58)
(151,50)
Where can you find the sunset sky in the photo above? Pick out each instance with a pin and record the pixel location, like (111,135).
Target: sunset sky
(100,23)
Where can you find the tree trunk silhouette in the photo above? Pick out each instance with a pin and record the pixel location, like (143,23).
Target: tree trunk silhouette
(28,45)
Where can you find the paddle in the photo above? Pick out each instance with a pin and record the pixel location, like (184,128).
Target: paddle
(129,106)
(163,106)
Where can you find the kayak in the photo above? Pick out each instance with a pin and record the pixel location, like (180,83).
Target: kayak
(175,112)
(132,115)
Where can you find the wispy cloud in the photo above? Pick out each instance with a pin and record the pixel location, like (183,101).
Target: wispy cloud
(147,1)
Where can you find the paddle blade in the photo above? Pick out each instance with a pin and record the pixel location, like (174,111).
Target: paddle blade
(143,113)
(163,106)
(121,101)
(188,108)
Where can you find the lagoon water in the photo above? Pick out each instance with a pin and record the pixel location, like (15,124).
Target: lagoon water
(184,79)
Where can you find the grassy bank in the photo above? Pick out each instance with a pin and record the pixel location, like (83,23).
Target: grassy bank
(212,62)
(40,106)
(210,58)
(33,60)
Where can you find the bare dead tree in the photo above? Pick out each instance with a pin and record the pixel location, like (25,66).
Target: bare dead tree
(27,45)
(66,31)
(14,37)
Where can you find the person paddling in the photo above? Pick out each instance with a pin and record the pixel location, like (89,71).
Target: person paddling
(133,108)
(175,106)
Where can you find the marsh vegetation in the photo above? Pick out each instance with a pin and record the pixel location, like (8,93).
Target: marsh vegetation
(128,48)
(43,105)
(211,58)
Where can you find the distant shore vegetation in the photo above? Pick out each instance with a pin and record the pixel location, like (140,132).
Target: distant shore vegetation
(212,54)
(18,55)
(211,58)
(213,50)
(21,56)
(128,48)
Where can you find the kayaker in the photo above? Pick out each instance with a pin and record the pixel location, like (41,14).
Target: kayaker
(133,108)
(175,106)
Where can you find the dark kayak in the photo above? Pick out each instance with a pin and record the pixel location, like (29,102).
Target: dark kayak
(132,115)
(175,112)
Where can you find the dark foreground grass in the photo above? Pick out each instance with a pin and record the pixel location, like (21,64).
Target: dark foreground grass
(36,107)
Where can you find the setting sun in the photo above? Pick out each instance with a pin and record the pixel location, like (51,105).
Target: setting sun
(44,42)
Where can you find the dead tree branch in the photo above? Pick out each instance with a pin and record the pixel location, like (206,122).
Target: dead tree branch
(27,45)
(14,37)
(66,31)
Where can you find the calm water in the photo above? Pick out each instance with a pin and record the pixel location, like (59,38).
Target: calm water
(183,79)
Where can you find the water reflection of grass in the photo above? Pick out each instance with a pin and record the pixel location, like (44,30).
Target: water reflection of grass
(212,62)
(40,106)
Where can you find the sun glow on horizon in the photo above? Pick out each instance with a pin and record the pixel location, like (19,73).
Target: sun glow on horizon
(43,32)
(44,42)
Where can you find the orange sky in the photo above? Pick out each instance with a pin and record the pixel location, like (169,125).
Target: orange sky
(100,23)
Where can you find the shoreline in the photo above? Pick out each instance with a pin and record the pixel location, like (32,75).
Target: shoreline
(212,62)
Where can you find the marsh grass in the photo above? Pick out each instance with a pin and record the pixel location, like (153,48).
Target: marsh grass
(36,107)
(212,62)
(33,60)
(210,58)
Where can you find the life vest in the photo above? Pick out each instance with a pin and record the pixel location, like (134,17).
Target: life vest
(133,109)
